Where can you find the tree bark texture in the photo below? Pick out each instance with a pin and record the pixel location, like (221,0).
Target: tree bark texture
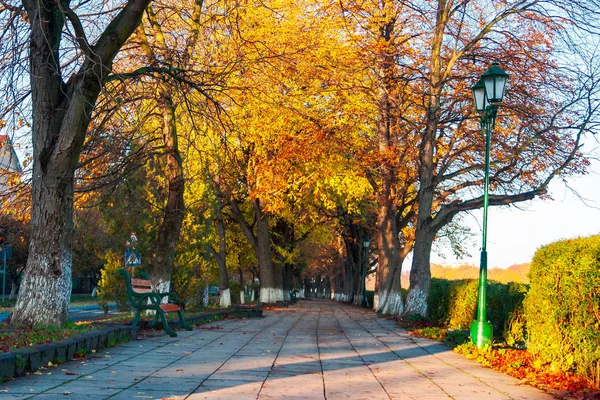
(264,255)
(389,296)
(221,254)
(61,114)
(420,270)
(420,275)
(353,236)
(170,228)
(174,212)
(261,244)
(283,239)
(390,262)
(278,280)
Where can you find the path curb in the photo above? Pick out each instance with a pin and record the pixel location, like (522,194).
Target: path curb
(30,359)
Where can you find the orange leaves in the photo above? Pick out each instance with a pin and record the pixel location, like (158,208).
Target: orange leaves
(521,365)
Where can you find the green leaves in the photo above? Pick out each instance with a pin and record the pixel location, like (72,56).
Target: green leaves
(562,306)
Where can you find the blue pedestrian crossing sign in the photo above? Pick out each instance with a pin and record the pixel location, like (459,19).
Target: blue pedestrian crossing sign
(132,258)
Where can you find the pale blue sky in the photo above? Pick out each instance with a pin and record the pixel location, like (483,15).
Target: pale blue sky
(514,234)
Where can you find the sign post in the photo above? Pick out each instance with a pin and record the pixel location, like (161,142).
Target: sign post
(132,256)
(6,254)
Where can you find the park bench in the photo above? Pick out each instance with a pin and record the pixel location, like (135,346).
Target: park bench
(142,297)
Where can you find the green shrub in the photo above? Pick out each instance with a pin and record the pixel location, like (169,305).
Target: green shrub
(188,286)
(234,290)
(111,286)
(453,303)
(562,307)
(463,303)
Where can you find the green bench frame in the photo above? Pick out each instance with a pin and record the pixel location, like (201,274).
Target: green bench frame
(142,297)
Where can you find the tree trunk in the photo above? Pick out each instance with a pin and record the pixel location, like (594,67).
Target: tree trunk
(261,244)
(278,280)
(268,293)
(174,213)
(61,114)
(221,255)
(420,275)
(13,289)
(170,229)
(347,282)
(287,279)
(205,295)
(390,262)
(46,285)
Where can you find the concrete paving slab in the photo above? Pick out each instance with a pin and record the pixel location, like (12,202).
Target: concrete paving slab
(316,349)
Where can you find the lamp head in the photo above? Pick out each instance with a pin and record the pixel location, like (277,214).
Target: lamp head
(481,101)
(494,80)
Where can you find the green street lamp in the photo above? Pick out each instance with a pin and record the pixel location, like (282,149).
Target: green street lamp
(487,93)
(366,244)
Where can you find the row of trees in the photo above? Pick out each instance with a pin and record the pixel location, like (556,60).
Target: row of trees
(266,136)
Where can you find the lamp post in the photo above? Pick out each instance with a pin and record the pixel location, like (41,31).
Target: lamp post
(366,244)
(487,93)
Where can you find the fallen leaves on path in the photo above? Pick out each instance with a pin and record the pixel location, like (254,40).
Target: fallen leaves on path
(518,363)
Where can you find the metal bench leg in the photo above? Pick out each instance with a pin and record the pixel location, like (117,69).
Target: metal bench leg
(136,319)
(154,321)
(163,318)
(183,323)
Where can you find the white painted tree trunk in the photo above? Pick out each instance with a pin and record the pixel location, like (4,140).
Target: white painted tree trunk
(252,294)
(268,295)
(242,297)
(225,298)
(163,286)
(417,299)
(43,295)
(279,294)
(205,296)
(376,301)
(391,303)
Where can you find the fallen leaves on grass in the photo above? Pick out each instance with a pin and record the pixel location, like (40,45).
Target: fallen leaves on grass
(14,338)
(521,365)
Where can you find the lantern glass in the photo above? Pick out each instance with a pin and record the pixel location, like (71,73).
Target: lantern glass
(495,80)
(479,96)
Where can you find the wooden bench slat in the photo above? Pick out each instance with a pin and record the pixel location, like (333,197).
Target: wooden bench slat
(169,307)
(142,290)
(141,282)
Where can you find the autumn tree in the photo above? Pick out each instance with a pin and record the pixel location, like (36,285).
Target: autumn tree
(269,127)
(67,50)
(539,130)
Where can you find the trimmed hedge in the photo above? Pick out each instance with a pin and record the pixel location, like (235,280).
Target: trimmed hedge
(453,303)
(562,308)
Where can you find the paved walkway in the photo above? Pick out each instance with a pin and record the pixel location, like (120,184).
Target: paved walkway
(315,350)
